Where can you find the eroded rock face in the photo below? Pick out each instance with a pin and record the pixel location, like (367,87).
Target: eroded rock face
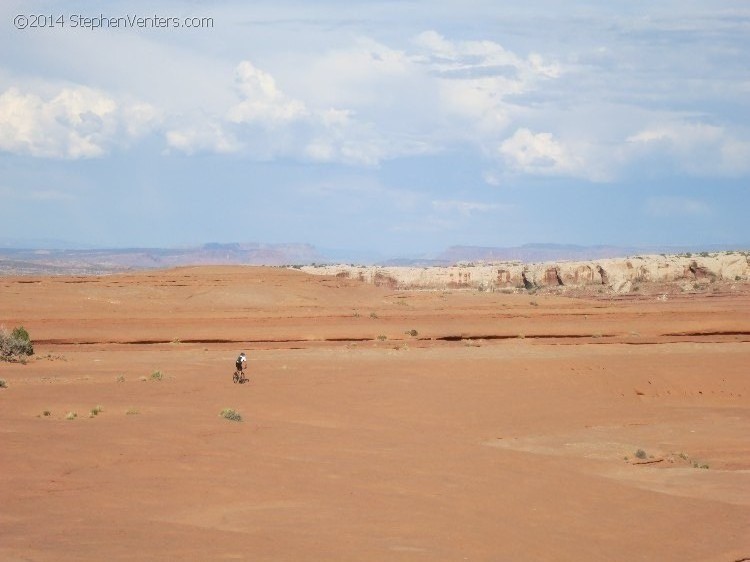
(527,282)
(581,275)
(619,275)
(603,275)
(699,272)
(503,278)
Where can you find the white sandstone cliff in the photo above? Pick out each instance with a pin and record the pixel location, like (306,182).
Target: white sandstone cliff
(620,274)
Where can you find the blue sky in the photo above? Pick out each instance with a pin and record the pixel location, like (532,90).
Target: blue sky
(390,128)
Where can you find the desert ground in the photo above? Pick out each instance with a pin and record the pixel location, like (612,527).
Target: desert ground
(377,424)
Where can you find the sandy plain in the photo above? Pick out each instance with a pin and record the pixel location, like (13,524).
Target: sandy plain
(506,429)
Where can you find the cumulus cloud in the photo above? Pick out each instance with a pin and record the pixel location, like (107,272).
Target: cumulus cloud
(77,122)
(263,101)
(204,137)
(475,78)
(538,153)
(697,148)
(268,122)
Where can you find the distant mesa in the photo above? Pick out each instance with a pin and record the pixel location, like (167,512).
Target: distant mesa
(528,267)
(670,273)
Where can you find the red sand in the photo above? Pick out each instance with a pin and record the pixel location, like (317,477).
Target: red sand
(499,432)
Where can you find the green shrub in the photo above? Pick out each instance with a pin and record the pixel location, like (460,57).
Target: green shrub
(231,415)
(15,345)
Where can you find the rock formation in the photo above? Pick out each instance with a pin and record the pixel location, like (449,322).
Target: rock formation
(618,275)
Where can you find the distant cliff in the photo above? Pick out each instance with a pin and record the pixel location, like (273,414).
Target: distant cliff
(616,274)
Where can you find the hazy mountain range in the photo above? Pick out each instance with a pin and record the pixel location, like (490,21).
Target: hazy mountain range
(77,260)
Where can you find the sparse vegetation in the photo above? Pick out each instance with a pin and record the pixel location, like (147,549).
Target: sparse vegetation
(131,412)
(95,411)
(71,416)
(3,383)
(641,454)
(120,378)
(413,333)
(373,315)
(382,337)
(15,345)
(46,413)
(157,376)
(231,415)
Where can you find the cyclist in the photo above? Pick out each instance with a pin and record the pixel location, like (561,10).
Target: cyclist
(241,362)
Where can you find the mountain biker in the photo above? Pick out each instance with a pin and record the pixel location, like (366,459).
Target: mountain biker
(241,362)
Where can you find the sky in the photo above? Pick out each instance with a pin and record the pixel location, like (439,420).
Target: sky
(376,127)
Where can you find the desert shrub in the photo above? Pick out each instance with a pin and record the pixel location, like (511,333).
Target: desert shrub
(71,416)
(382,337)
(95,411)
(120,378)
(373,315)
(231,415)
(640,454)
(131,412)
(15,345)
(413,333)
(157,376)
(3,383)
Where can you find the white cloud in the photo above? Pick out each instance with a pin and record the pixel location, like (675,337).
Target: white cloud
(476,78)
(205,137)
(263,101)
(363,75)
(539,153)
(696,148)
(77,122)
